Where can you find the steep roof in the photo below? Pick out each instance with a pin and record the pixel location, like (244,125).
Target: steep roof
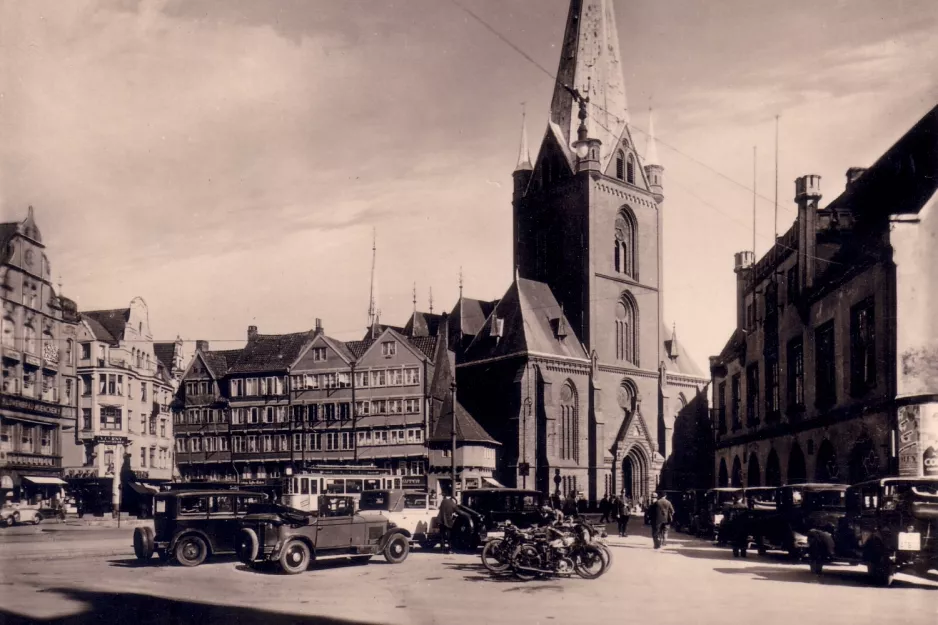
(422,324)
(675,355)
(340,347)
(358,348)
(426,345)
(113,322)
(7,232)
(379,328)
(467,428)
(531,320)
(220,362)
(165,353)
(270,352)
(469,315)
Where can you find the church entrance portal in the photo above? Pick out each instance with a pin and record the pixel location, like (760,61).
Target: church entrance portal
(635,474)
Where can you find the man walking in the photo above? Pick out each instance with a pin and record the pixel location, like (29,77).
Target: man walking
(447,517)
(661,514)
(604,508)
(623,514)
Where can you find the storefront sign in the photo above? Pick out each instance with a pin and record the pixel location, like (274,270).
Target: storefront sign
(26,404)
(110,440)
(909,454)
(928,439)
(414,482)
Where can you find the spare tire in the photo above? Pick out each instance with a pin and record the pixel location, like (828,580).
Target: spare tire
(248,546)
(143,544)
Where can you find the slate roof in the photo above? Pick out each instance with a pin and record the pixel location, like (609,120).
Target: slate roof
(469,315)
(164,353)
(467,428)
(107,325)
(530,315)
(270,352)
(221,361)
(422,324)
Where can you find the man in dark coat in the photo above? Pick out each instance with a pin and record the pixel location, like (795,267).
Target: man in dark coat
(447,517)
(660,514)
(623,514)
(604,508)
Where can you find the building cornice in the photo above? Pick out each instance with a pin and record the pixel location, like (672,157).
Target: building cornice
(626,281)
(533,356)
(630,371)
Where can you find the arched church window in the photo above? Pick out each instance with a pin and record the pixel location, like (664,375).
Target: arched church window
(626,330)
(569,423)
(620,165)
(625,255)
(630,170)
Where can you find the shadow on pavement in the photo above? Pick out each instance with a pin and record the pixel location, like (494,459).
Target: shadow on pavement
(103,607)
(856,577)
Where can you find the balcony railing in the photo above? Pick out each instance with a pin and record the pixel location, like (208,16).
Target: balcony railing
(24,459)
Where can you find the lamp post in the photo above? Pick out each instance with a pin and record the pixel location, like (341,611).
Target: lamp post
(525,466)
(452,435)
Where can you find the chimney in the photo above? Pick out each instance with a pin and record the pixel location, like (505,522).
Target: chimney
(252,332)
(743,263)
(853,174)
(807,196)
(202,346)
(318,325)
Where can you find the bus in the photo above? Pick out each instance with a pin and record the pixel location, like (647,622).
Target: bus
(302,490)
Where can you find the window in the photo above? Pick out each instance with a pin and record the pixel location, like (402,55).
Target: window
(328,412)
(862,347)
(620,165)
(297,442)
(412,406)
(313,413)
(772,402)
(210,443)
(825,367)
(236,388)
(143,391)
(752,395)
(85,350)
(6,441)
(252,444)
(45,440)
(388,348)
(313,443)
(111,418)
(411,376)
(268,442)
(69,350)
(379,406)
(721,417)
(319,354)
(345,380)
(281,443)
(347,441)
(250,387)
(379,378)
(795,373)
(120,385)
(143,421)
(569,423)
(624,253)
(396,377)
(143,457)
(329,380)
(362,408)
(255,415)
(30,343)
(86,418)
(222,443)
(792,285)
(345,412)
(626,331)
(237,443)
(630,170)
(395,406)
(734,406)
(361,379)
(195,444)
(162,428)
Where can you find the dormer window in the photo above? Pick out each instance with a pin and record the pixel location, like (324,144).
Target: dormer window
(498,327)
(389,348)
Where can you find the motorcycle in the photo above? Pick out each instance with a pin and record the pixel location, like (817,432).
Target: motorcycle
(496,555)
(556,553)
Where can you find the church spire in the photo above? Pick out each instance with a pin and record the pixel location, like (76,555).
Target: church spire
(590,65)
(524,154)
(651,146)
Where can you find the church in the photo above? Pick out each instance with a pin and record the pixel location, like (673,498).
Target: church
(573,370)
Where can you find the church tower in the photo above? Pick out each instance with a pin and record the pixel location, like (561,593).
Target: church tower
(587,223)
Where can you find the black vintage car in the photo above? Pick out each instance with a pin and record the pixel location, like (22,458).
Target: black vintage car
(799,508)
(711,511)
(498,506)
(191,526)
(890,524)
(293,538)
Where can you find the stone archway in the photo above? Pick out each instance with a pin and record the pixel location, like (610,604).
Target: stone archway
(737,479)
(797,473)
(754,474)
(635,472)
(724,479)
(864,461)
(826,469)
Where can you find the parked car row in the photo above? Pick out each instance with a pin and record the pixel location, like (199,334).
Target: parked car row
(22,513)
(889,524)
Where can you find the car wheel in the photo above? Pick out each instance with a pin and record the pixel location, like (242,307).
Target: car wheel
(294,558)
(397,549)
(37,519)
(16,518)
(143,544)
(7,521)
(191,551)
(248,546)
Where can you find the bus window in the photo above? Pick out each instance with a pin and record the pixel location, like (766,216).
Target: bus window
(415,500)
(373,484)
(289,486)
(353,486)
(335,486)
(313,485)
(397,483)
(304,486)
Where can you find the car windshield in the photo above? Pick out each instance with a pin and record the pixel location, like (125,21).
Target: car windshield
(826,499)
(374,501)
(193,505)
(415,500)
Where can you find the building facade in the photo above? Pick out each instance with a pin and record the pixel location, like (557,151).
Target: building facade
(38,347)
(831,372)
(587,215)
(123,439)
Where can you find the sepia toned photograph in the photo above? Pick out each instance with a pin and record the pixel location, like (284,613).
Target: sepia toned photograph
(413,312)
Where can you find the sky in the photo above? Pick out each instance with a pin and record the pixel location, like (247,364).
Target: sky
(230,160)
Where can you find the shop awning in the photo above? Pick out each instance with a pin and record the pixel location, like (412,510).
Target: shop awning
(143,489)
(36,479)
(488,481)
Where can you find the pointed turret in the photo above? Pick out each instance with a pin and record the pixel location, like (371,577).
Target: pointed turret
(524,169)
(653,169)
(590,65)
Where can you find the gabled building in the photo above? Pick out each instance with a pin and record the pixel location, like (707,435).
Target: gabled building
(831,374)
(172,357)
(124,434)
(39,351)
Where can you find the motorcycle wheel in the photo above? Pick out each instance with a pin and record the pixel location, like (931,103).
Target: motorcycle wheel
(590,564)
(493,557)
(607,554)
(525,556)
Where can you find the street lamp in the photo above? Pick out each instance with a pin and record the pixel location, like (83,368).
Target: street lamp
(452,434)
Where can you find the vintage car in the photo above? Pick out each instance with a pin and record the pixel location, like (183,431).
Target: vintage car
(293,538)
(890,524)
(497,506)
(408,510)
(710,511)
(191,526)
(687,518)
(798,509)
(19,512)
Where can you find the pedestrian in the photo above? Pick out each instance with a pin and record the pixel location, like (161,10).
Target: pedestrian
(737,523)
(604,507)
(447,518)
(569,505)
(660,515)
(622,517)
(555,500)
(582,505)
